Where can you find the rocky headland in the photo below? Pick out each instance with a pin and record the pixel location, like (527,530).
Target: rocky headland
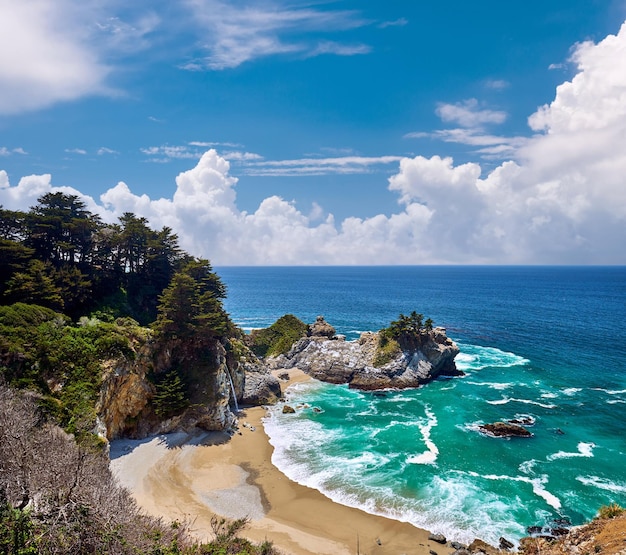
(416,359)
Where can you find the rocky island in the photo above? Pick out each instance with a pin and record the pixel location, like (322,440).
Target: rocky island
(390,358)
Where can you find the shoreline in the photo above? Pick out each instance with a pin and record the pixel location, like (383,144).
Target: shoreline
(192,477)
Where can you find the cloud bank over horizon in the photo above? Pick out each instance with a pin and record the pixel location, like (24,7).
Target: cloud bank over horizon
(560,198)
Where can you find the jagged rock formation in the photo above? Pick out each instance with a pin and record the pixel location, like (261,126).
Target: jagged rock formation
(601,535)
(126,409)
(335,360)
(261,388)
(321,328)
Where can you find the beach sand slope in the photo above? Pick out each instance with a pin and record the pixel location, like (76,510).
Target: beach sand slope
(192,477)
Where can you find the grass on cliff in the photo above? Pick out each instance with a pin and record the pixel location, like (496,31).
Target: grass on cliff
(278,338)
(386,350)
(44,352)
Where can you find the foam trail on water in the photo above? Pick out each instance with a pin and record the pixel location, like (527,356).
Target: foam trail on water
(584,450)
(611,391)
(475,357)
(506,400)
(538,485)
(493,385)
(571,391)
(430,456)
(602,483)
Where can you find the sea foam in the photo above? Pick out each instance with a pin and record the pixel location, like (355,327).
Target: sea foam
(584,450)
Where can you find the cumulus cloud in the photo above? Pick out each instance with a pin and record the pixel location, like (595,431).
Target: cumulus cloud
(562,200)
(44,58)
(60,50)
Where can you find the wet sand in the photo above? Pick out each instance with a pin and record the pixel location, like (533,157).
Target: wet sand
(192,477)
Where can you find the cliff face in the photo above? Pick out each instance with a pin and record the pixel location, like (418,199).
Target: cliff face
(338,361)
(126,405)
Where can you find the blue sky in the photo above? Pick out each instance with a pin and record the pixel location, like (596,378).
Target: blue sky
(342,132)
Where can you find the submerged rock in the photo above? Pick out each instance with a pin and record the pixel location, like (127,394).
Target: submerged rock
(523,420)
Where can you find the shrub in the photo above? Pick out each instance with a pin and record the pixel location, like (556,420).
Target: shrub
(610,511)
(386,350)
(279,337)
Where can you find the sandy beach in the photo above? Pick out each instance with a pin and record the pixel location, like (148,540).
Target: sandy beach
(193,477)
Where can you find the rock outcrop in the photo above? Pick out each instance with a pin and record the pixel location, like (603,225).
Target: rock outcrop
(601,535)
(261,388)
(335,360)
(504,429)
(321,328)
(126,405)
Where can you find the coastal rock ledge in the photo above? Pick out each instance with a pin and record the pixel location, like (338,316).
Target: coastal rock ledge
(333,359)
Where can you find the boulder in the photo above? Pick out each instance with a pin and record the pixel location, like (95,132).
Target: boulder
(478,546)
(439,538)
(288,410)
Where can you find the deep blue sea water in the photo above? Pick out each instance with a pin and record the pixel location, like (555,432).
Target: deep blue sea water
(544,342)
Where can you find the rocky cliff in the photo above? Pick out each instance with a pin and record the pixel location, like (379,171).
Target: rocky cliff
(358,363)
(214,384)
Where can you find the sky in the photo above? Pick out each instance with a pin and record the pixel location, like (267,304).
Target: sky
(327,132)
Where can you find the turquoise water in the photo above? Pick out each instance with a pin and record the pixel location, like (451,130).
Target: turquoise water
(546,343)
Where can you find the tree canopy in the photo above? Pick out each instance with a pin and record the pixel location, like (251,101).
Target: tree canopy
(62,256)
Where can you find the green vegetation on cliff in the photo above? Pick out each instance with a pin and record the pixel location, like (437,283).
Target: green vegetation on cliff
(279,337)
(74,291)
(42,351)
(84,305)
(405,332)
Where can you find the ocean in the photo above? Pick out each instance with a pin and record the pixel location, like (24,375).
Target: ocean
(546,343)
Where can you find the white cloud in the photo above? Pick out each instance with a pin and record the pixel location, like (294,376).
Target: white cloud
(562,200)
(104,150)
(469,114)
(44,57)
(331,47)
(473,118)
(232,35)
(80,151)
(238,155)
(166,153)
(494,147)
(400,22)
(497,84)
(319,166)
(4,151)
